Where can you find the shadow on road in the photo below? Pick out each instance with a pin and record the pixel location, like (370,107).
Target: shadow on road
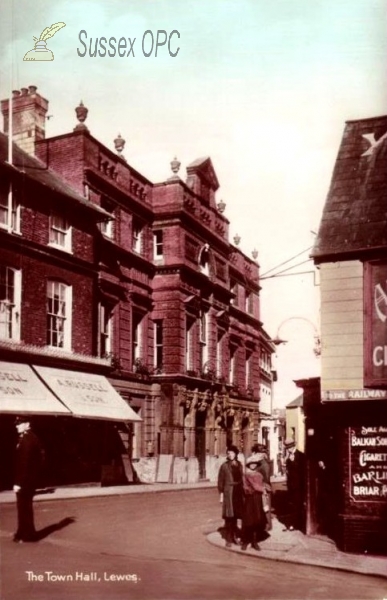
(46,531)
(239,534)
(285,511)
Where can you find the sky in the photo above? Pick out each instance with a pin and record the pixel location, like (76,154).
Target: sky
(263,88)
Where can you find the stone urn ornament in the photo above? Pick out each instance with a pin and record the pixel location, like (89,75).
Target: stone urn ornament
(41,52)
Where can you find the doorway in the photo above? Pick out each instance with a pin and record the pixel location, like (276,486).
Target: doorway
(200,441)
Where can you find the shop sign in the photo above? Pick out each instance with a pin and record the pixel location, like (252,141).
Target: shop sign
(375,325)
(21,391)
(355,394)
(368,463)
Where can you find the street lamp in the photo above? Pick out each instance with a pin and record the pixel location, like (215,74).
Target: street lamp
(277,341)
(317,341)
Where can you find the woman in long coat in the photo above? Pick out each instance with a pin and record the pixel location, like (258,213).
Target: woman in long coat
(260,454)
(254,518)
(230,486)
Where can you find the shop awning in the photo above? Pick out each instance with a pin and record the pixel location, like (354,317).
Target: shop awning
(21,391)
(87,395)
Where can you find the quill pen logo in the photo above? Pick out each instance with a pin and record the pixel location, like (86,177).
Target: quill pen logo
(41,52)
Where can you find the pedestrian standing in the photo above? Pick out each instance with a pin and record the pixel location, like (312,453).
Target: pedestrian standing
(254,518)
(28,467)
(295,481)
(259,452)
(230,486)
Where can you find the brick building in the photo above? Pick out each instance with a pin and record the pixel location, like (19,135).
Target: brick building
(158,300)
(350,426)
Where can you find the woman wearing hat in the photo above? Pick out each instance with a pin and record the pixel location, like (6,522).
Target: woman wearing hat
(259,452)
(254,518)
(230,487)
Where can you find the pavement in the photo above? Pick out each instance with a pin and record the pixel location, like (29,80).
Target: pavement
(281,545)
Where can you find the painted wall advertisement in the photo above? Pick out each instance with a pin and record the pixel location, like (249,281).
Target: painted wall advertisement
(368,463)
(375,324)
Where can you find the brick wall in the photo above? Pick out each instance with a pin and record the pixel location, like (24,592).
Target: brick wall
(65,156)
(35,275)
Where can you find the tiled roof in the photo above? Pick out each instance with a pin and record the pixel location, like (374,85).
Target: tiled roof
(35,170)
(299,401)
(355,214)
(203,167)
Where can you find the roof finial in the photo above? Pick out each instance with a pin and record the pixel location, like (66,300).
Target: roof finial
(81,112)
(221,206)
(175,166)
(119,144)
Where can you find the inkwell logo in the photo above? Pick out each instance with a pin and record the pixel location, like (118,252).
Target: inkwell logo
(41,52)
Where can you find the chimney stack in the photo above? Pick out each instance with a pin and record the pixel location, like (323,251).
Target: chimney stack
(29,117)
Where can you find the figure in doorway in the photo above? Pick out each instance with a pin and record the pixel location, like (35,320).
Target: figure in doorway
(295,480)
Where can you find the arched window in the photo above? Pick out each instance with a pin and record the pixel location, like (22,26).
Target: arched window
(204,260)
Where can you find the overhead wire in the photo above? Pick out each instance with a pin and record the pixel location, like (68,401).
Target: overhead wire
(280,273)
(286,261)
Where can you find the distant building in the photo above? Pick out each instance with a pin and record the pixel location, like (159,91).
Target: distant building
(106,273)
(295,422)
(271,429)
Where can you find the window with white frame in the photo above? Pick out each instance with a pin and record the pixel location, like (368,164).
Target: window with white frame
(204,260)
(105,329)
(106,227)
(135,436)
(203,338)
(248,302)
(137,335)
(158,336)
(59,308)
(60,232)
(232,364)
(265,361)
(10,303)
(138,230)
(158,249)
(9,208)
(189,327)
(249,368)
(234,291)
(262,359)
(219,352)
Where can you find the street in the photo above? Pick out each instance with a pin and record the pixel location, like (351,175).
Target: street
(152,545)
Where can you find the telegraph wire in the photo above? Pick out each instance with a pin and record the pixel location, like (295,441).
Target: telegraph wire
(285,262)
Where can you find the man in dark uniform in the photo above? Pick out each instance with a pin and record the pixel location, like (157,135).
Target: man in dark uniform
(296,482)
(28,466)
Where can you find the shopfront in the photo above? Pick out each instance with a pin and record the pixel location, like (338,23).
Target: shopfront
(78,416)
